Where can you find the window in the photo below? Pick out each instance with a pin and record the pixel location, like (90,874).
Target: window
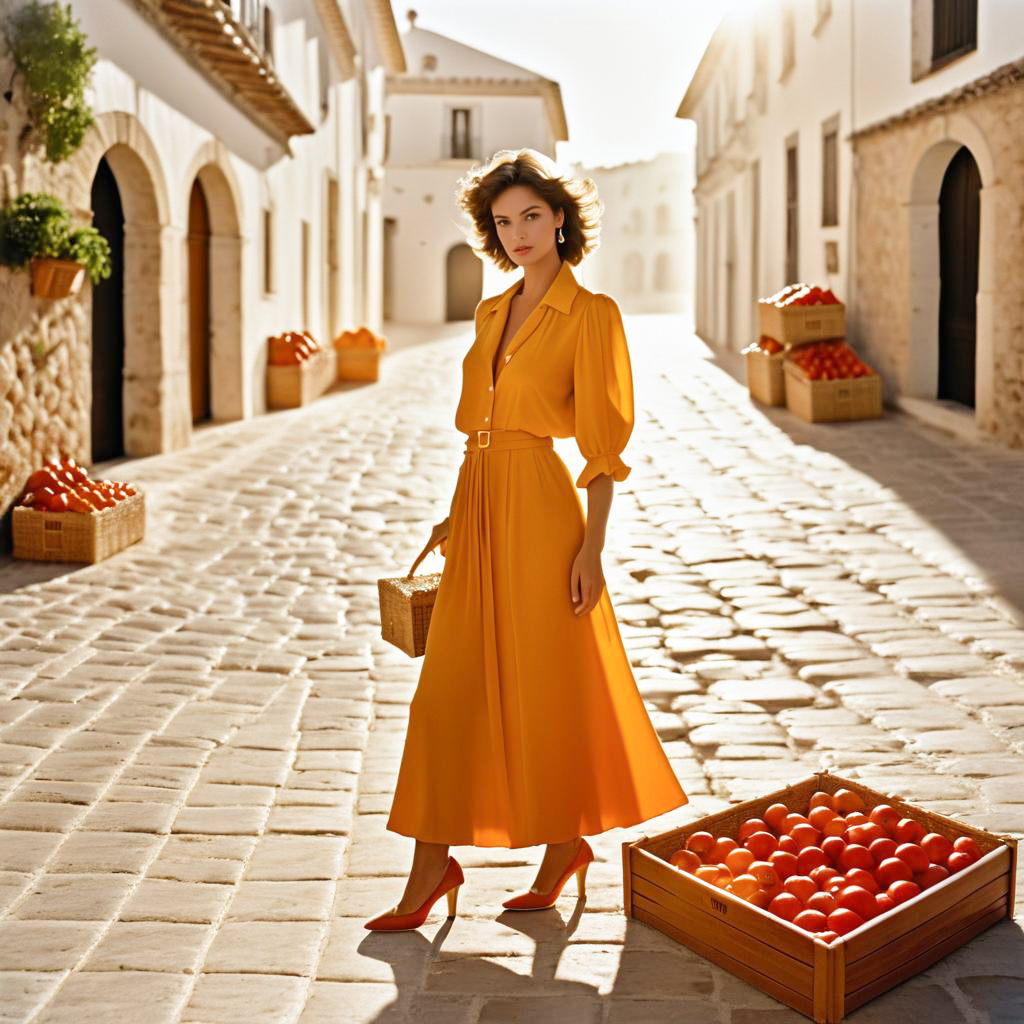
(788,26)
(460,141)
(268,249)
(792,217)
(633,272)
(830,173)
(664,272)
(268,33)
(954,29)
(760,68)
(663,219)
(387,137)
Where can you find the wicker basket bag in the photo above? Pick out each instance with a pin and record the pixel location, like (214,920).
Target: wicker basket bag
(405,606)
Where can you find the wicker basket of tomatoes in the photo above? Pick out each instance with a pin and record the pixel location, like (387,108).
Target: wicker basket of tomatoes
(826,381)
(765,379)
(66,516)
(299,370)
(824,894)
(801,312)
(358,354)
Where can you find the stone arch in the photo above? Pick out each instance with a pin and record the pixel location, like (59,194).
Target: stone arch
(212,166)
(927,167)
(155,416)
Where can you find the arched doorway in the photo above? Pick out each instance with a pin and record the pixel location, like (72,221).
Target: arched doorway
(199,302)
(108,322)
(464,283)
(959,226)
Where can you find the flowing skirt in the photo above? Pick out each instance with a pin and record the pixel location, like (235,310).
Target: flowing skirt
(526,726)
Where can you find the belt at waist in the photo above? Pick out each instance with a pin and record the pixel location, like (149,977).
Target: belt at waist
(505,439)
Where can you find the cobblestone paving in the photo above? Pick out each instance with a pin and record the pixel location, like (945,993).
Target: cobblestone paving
(199,737)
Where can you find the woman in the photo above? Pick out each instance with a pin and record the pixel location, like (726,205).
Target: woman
(526,726)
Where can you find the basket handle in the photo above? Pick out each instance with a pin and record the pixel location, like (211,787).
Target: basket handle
(419,558)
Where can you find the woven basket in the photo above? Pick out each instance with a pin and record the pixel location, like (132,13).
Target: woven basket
(78,536)
(406,603)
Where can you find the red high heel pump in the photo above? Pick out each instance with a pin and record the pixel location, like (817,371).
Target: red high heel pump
(450,883)
(531,900)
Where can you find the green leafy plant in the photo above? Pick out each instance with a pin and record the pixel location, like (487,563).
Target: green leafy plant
(86,245)
(34,224)
(37,225)
(52,55)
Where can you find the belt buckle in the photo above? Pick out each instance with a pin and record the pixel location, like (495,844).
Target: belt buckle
(481,443)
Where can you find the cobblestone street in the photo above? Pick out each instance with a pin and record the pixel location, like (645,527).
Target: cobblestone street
(199,737)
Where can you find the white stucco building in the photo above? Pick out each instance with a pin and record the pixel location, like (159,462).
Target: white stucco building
(236,166)
(645,257)
(454,107)
(870,146)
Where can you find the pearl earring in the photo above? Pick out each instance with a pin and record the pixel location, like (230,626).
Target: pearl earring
(561,237)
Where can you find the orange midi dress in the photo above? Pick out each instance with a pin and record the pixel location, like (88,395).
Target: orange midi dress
(526,726)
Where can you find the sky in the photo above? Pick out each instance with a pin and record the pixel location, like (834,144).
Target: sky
(622,65)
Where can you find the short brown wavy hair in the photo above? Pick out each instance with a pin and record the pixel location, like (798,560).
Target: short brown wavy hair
(479,188)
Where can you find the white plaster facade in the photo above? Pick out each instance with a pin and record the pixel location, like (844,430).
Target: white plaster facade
(162,122)
(430,278)
(645,256)
(780,73)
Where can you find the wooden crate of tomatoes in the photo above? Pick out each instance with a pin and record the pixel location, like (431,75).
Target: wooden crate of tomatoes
(825,381)
(801,312)
(824,894)
(765,379)
(358,354)
(66,516)
(299,370)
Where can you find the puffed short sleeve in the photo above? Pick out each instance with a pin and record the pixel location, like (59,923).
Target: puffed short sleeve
(603,390)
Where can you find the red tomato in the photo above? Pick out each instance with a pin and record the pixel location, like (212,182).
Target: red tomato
(809,858)
(846,800)
(685,860)
(855,818)
(822,875)
(775,815)
(893,869)
(765,873)
(811,920)
(804,835)
(843,921)
(932,875)
(859,900)
(722,848)
(903,891)
(937,847)
(906,830)
(865,879)
(823,901)
(855,856)
(916,858)
(701,843)
(761,844)
(788,845)
(817,816)
(828,937)
(760,899)
(834,827)
(866,834)
(785,864)
(882,849)
(884,902)
(957,861)
(750,826)
(786,906)
(791,821)
(965,844)
(800,886)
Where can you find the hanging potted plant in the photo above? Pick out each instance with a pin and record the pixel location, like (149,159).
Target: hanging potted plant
(36,231)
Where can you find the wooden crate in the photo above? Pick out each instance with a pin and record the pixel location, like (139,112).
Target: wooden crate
(78,536)
(765,379)
(826,401)
(358,363)
(822,981)
(793,324)
(291,386)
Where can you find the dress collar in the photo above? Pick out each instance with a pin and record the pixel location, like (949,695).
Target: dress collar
(560,293)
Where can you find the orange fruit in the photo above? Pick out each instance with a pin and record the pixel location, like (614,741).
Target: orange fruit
(846,800)
(701,843)
(744,886)
(800,886)
(821,799)
(761,844)
(750,826)
(775,815)
(805,835)
(685,860)
(739,860)
(785,864)
(765,873)
(722,848)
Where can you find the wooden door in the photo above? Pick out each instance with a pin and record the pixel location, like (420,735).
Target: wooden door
(108,323)
(199,302)
(959,223)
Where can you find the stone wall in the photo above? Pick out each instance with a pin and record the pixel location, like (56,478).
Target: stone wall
(898,170)
(45,383)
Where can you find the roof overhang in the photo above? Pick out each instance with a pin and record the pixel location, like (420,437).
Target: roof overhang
(385,32)
(546,89)
(339,39)
(210,39)
(705,69)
